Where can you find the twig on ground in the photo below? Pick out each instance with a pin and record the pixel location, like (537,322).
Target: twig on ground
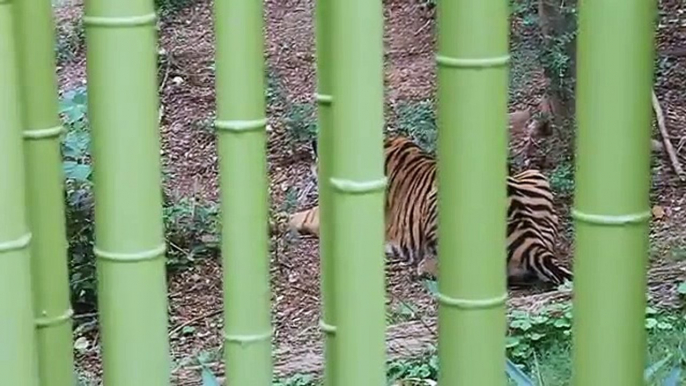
(193,320)
(660,118)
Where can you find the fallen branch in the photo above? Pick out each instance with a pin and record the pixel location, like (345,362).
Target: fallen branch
(660,118)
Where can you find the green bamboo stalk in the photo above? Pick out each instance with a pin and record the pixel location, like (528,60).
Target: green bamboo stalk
(45,191)
(325,152)
(18,360)
(130,245)
(472,157)
(612,212)
(243,181)
(358,190)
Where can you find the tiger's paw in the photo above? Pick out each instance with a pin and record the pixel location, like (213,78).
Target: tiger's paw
(427,269)
(303,223)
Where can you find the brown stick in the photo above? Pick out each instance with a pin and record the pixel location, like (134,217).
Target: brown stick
(660,118)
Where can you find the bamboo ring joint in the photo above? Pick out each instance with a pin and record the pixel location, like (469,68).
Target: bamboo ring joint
(16,244)
(239,126)
(326,328)
(358,187)
(47,133)
(120,21)
(323,99)
(600,219)
(131,257)
(478,63)
(471,304)
(55,320)
(248,338)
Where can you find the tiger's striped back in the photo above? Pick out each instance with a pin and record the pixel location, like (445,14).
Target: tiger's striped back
(530,197)
(411,201)
(412,216)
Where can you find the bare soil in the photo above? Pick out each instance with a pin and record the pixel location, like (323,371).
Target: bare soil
(190,159)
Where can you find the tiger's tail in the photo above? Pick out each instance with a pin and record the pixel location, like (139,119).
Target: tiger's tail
(548,269)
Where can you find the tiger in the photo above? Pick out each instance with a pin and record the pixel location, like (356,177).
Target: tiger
(412,218)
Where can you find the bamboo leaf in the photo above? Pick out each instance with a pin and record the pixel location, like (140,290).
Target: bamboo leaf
(517,375)
(650,372)
(208,379)
(673,377)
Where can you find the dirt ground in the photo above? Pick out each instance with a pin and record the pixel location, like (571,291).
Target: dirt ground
(190,159)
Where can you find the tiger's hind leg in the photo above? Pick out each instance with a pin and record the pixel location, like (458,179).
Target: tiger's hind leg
(538,269)
(399,254)
(427,267)
(305,222)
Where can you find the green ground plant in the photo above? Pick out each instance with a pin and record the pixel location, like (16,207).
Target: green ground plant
(417,120)
(539,352)
(70,39)
(168,7)
(274,92)
(542,354)
(301,117)
(562,179)
(301,123)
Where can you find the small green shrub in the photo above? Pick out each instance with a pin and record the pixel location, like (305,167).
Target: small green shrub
(210,379)
(531,331)
(192,231)
(296,380)
(677,252)
(562,179)
(681,288)
(169,7)
(301,123)
(401,312)
(416,369)
(651,374)
(290,202)
(78,191)
(535,331)
(428,3)
(417,120)
(273,92)
(556,59)
(70,40)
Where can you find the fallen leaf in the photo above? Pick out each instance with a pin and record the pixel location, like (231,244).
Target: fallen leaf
(658,212)
(81,344)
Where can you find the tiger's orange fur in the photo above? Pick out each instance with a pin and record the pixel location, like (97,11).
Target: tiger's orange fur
(412,218)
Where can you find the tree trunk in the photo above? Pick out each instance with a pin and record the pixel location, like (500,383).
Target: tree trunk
(557,20)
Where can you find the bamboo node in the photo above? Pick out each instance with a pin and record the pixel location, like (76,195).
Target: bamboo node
(47,133)
(479,63)
(471,304)
(131,257)
(241,126)
(604,219)
(326,328)
(120,21)
(55,320)
(16,244)
(358,187)
(243,339)
(323,99)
